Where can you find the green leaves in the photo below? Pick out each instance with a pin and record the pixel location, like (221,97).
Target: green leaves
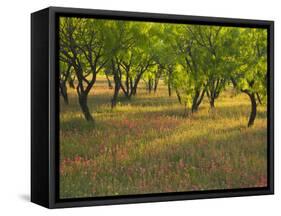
(190,58)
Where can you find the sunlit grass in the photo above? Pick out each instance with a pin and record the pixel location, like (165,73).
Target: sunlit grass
(146,145)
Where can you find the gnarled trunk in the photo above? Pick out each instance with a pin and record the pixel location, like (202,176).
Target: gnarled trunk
(253,109)
(63,91)
(116,91)
(178,96)
(259,98)
(185,114)
(108,82)
(197,100)
(84,106)
(212,103)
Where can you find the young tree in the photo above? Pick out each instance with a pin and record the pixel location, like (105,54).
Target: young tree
(184,85)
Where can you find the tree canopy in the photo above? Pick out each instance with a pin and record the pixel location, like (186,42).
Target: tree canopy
(195,61)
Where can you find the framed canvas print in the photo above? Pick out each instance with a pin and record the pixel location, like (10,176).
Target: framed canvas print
(139,107)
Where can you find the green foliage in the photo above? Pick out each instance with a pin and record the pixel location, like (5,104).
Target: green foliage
(252,72)
(191,59)
(144,145)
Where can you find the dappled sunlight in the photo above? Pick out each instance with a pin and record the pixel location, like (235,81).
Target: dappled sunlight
(143,145)
(150,107)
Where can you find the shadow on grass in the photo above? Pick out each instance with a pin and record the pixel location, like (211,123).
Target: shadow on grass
(233,140)
(230,113)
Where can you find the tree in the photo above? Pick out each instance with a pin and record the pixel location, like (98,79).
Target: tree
(81,46)
(152,77)
(191,59)
(250,76)
(184,86)
(118,41)
(164,55)
(65,70)
(129,49)
(212,40)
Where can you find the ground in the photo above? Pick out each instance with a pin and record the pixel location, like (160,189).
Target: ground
(146,145)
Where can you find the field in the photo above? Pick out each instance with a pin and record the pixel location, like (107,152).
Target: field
(146,145)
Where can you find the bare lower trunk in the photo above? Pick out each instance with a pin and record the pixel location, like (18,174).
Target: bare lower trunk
(63,91)
(71,83)
(212,103)
(169,89)
(84,107)
(197,100)
(116,91)
(185,114)
(65,99)
(150,83)
(259,98)
(178,96)
(253,110)
(108,82)
(155,85)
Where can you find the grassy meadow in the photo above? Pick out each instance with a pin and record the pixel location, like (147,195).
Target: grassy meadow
(146,145)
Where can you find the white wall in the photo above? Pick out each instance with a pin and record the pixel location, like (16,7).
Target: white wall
(15,106)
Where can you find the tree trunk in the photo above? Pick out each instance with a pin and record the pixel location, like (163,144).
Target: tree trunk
(197,100)
(71,83)
(150,83)
(253,109)
(116,91)
(212,103)
(63,91)
(108,82)
(185,110)
(195,105)
(84,106)
(134,87)
(170,71)
(178,96)
(253,102)
(259,98)
(155,85)
(169,89)
(212,97)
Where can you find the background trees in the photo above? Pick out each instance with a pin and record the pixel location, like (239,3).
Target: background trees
(191,58)
(193,61)
(211,39)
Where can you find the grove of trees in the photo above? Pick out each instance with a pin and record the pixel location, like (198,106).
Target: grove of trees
(195,61)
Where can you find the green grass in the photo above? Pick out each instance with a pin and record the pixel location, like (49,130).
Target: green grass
(146,145)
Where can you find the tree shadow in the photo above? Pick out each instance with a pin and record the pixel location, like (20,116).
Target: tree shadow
(244,133)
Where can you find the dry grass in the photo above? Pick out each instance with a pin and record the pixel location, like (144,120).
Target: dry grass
(146,146)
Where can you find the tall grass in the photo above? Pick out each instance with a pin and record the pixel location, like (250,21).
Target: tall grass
(146,145)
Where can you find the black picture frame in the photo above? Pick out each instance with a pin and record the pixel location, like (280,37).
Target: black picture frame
(45,107)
